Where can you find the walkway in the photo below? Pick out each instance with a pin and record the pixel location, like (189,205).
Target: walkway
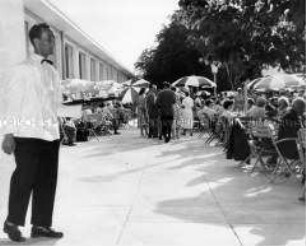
(130,191)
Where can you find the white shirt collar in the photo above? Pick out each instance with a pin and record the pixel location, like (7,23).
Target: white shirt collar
(37,58)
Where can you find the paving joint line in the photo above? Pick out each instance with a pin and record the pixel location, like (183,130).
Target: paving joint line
(128,216)
(223,213)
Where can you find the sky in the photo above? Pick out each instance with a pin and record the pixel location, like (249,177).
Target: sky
(123,27)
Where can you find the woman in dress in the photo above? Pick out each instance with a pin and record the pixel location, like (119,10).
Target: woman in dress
(188,105)
(142,113)
(177,116)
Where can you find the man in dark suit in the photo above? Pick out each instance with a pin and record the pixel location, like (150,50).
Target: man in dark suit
(152,112)
(165,102)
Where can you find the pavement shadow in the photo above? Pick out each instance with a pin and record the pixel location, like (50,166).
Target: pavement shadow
(244,201)
(120,145)
(29,241)
(193,151)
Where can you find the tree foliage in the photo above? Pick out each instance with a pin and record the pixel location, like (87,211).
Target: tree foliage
(247,35)
(172,58)
(244,36)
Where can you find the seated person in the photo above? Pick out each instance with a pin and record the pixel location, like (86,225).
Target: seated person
(70,131)
(82,132)
(115,111)
(258,111)
(208,110)
(250,103)
(207,115)
(289,127)
(283,105)
(227,112)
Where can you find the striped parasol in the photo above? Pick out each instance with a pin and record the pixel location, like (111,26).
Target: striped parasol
(130,95)
(250,85)
(194,81)
(277,82)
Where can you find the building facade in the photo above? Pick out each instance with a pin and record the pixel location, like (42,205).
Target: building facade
(76,54)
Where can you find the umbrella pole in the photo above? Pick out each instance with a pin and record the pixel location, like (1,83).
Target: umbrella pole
(215,88)
(245,95)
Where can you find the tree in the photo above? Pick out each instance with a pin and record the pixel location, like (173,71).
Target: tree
(246,35)
(173,57)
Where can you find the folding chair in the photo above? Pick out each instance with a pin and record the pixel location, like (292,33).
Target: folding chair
(294,166)
(204,125)
(302,154)
(223,128)
(262,145)
(212,129)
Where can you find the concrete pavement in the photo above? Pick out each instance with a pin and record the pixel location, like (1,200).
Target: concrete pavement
(126,190)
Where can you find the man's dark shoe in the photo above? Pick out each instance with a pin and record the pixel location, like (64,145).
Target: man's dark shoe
(13,232)
(39,231)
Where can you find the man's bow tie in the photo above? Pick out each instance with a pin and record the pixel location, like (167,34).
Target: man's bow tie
(46,60)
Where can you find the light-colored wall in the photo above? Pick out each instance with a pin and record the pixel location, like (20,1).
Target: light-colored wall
(14,51)
(12,38)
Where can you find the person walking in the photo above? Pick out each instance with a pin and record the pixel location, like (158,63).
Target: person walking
(188,106)
(32,97)
(152,112)
(142,113)
(165,101)
(177,116)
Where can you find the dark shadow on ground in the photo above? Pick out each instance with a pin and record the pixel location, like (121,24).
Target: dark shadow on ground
(118,144)
(243,200)
(29,241)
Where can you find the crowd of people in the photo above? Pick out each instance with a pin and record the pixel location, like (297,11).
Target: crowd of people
(172,112)
(181,110)
(98,119)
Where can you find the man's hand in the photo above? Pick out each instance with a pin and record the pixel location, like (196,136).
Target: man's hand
(8,144)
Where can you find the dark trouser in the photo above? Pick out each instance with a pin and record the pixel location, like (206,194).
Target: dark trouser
(36,174)
(115,123)
(166,126)
(153,127)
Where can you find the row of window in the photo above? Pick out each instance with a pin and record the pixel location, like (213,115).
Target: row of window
(96,72)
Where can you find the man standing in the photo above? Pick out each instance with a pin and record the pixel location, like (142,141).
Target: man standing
(239,101)
(152,112)
(165,102)
(32,97)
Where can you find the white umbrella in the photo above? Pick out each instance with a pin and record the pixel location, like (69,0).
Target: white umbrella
(194,81)
(130,95)
(278,82)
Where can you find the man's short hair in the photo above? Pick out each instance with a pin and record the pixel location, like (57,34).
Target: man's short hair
(299,103)
(227,104)
(173,88)
(166,84)
(37,30)
(208,102)
(251,101)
